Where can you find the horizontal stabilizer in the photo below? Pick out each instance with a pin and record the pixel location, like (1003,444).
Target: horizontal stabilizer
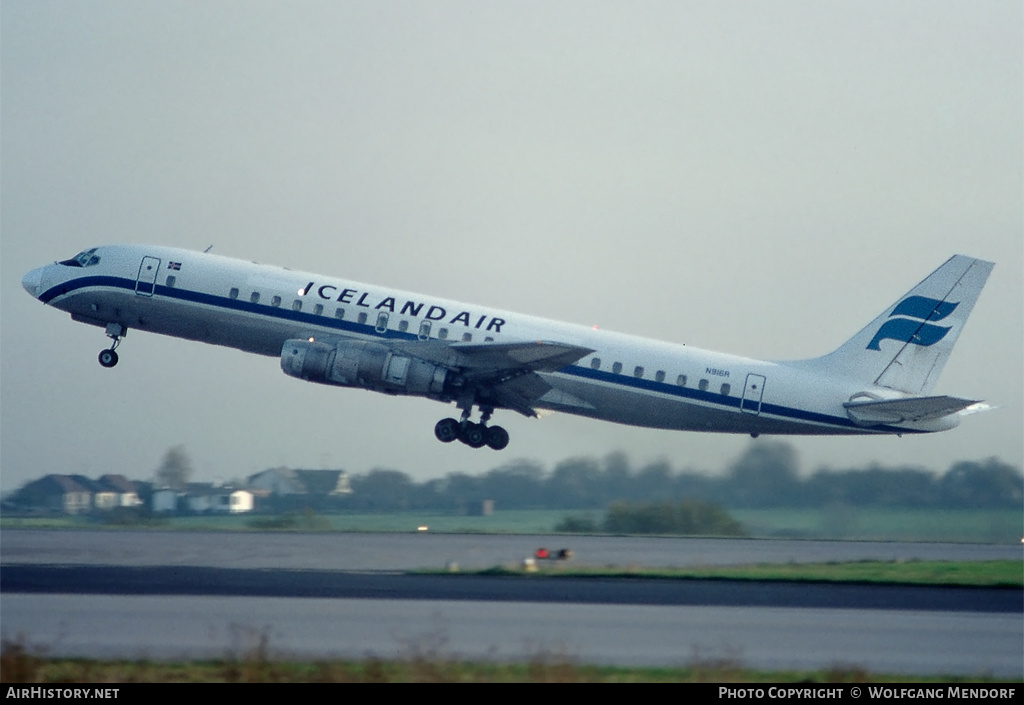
(894,411)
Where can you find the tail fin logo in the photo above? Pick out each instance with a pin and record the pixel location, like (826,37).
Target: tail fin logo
(914,328)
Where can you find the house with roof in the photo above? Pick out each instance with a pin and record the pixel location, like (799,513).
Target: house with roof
(288,489)
(285,481)
(113,491)
(164,500)
(206,498)
(56,493)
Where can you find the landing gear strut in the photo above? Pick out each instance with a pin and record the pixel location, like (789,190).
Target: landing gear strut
(108,357)
(474,435)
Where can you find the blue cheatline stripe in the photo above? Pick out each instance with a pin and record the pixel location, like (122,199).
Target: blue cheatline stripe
(319,320)
(85,282)
(369,329)
(718,399)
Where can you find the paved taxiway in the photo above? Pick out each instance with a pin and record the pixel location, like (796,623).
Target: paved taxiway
(338,551)
(171,595)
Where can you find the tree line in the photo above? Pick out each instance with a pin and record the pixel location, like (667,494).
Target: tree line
(766,475)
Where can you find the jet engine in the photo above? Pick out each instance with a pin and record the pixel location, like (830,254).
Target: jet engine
(362,364)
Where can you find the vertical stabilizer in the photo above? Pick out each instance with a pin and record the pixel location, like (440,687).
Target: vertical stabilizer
(907,346)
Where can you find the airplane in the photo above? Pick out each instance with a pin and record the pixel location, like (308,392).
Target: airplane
(339,332)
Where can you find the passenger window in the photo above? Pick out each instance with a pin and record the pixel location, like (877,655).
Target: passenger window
(339,313)
(403,326)
(703,385)
(659,376)
(442,334)
(466,337)
(638,371)
(297,305)
(233,293)
(424,330)
(276,301)
(617,367)
(726,388)
(362,317)
(318,309)
(382,322)
(681,380)
(170,281)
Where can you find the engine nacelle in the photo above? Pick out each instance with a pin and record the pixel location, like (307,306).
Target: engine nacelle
(362,364)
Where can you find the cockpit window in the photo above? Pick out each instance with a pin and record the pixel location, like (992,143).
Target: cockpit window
(83,259)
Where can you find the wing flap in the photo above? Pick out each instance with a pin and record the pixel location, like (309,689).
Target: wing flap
(506,371)
(520,393)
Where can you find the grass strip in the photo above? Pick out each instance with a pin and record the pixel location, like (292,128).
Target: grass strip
(21,667)
(998,573)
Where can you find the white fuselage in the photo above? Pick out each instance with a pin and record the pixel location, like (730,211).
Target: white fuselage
(626,379)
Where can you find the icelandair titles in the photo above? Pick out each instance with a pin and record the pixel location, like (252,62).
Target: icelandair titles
(329,292)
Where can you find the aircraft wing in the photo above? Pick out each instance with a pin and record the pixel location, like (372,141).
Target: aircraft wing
(487,358)
(889,411)
(503,372)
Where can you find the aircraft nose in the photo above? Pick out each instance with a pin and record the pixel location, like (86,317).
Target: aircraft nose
(33,282)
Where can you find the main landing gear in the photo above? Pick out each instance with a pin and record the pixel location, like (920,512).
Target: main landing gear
(108,357)
(474,435)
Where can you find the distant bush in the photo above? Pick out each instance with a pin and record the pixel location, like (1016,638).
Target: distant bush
(308,520)
(577,525)
(686,517)
(131,516)
(284,521)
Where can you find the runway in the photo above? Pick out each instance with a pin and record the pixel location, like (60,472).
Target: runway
(880,641)
(153,580)
(209,595)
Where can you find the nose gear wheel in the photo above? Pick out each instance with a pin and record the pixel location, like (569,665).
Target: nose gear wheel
(108,357)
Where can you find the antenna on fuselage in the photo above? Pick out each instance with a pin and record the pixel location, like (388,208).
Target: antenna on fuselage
(207,249)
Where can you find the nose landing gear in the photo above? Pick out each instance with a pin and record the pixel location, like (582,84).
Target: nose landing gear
(115,331)
(108,358)
(474,435)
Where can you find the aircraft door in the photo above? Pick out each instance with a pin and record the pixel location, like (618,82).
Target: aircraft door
(752,392)
(145,283)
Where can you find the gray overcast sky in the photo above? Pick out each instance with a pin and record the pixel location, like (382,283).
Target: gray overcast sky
(760,178)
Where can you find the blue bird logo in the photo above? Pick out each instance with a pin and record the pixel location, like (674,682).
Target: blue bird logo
(913,325)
